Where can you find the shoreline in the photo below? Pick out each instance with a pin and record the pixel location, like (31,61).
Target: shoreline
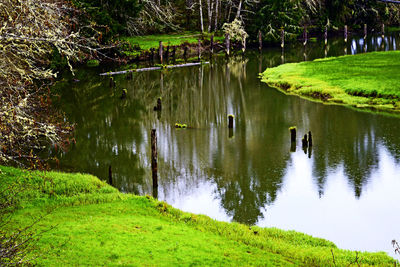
(330,86)
(88,212)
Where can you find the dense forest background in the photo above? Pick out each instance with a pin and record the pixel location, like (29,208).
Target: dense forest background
(140,17)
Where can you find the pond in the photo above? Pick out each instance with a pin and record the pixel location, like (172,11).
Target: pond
(345,189)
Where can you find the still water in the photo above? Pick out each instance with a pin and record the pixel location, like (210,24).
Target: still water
(346,189)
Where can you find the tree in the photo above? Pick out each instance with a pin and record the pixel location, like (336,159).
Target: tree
(114,14)
(273,15)
(31,30)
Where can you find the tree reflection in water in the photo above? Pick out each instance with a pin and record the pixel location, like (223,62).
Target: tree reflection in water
(245,170)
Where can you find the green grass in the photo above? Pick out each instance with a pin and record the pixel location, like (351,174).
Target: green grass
(97,225)
(365,81)
(152,41)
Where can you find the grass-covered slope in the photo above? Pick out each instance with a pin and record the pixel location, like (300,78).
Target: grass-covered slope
(97,225)
(364,80)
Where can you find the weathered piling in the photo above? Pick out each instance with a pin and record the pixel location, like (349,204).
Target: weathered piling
(158,107)
(154,158)
(110,176)
(227,44)
(199,49)
(365,31)
(304,141)
(212,44)
(230,121)
(112,82)
(124,93)
(293,131)
(185,52)
(310,143)
(167,53)
(326,35)
(152,54)
(345,33)
(259,40)
(230,133)
(129,76)
(160,52)
(173,51)
(293,147)
(305,37)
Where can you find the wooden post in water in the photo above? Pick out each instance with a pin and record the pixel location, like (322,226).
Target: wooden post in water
(154,158)
(185,52)
(293,131)
(173,51)
(152,54)
(110,176)
(160,52)
(230,133)
(310,139)
(305,37)
(326,35)
(112,83)
(304,141)
(158,107)
(199,49)
(345,33)
(212,44)
(292,139)
(167,54)
(124,93)
(365,31)
(227,43)
(129,76)
(230,121)
(259,40)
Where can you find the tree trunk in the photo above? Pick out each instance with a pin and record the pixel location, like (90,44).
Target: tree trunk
(239,9)
(216,16)
(209,13)
(201,16)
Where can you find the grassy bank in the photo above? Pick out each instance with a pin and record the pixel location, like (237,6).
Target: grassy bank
(97,225)
(363,81)
(152,41)
(140,44)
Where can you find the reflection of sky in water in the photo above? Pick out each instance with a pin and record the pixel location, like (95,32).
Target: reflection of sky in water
(364,223)
(357,224)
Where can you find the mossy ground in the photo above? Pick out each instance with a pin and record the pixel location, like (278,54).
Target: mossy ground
(140,44)
(368,80)
(152,41)
(94,224)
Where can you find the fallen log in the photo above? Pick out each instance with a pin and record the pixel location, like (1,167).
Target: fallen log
(153,68)
(390,1)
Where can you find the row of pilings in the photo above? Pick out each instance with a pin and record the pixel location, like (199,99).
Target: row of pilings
(165,52)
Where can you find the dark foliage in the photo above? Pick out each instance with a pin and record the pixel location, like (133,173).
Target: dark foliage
(113,14)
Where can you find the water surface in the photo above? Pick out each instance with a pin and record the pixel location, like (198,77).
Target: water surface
(345,189)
